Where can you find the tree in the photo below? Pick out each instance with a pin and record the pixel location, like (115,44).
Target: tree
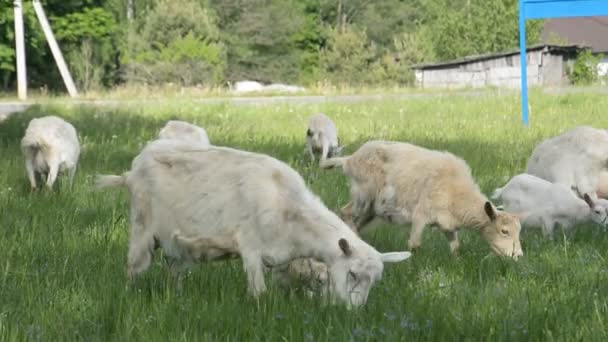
(465,27)
(89,41)
(177,42)
(262,38)
(347,56)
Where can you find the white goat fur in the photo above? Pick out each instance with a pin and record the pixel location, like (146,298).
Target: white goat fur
(602,185)
(210,202)
(322,136)
(185,131)
(50,146)
(404,183)
(544,204)
(574,158)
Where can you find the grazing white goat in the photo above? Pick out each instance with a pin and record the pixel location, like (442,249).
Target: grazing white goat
(544,204)
(185,131)
(574,158)
(404,183)
(322,136)
(50,147)
(203,203)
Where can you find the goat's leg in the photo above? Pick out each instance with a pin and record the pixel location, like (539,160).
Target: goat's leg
(310,150)
(346,214)
(72,174)
(141,242)
(418,223)
(548,227)
(31,175)
(324,149)
(453,241)
(53,162)
(362,214)
(252,262)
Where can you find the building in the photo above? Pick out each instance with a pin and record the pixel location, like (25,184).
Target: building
(547,65)
(587,31)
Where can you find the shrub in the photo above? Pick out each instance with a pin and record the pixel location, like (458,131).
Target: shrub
(177,42)
(347,57)
(89,38)
(584,69)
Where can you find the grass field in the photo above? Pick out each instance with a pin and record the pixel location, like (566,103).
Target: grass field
(63,254)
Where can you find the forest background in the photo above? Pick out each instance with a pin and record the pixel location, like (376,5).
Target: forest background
(209,43)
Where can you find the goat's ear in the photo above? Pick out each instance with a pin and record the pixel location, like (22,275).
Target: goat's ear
(345,247)
(395,256)
(490,211)
(588,200)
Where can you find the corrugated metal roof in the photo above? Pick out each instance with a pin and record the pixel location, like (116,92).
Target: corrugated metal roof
(487,56)
(589,31)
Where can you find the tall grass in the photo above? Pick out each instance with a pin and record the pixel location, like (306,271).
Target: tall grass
(62,254)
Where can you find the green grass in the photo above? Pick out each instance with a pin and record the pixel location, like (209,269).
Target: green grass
(63,254)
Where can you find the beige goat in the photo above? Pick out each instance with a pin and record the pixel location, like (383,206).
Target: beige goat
(404,183)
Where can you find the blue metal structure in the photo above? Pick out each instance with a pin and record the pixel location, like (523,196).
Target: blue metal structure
(542,9)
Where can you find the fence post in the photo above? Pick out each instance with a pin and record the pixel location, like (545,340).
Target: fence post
(20,51)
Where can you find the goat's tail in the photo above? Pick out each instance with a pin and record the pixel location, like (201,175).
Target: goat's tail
(110,181)
(332,162)
(497,193)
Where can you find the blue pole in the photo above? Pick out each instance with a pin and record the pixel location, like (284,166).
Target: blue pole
(524,63)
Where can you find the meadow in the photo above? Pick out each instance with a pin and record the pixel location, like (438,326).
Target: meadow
(63,253)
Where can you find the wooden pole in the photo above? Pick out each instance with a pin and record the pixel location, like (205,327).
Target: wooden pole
(50,38)
(20,54)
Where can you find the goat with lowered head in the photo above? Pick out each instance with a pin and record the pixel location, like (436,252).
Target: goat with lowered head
(175,129)
(404,183)
(203,203)
(50,147)
(544,204)
(322,137)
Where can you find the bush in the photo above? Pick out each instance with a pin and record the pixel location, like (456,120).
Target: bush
(351,58)
(90,41)
(347,57)
(177,42)
(409,49)
(584,69)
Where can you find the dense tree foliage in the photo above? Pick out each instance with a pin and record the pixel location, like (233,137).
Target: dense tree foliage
(211,42)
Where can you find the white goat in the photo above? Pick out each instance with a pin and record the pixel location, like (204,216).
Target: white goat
(574,158)
(544,204)
(404,183)
(322,136)
(185,131)
(203,203)
(50,146)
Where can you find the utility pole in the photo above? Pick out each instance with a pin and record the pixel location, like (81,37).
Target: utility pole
(20,48)
(50,38)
